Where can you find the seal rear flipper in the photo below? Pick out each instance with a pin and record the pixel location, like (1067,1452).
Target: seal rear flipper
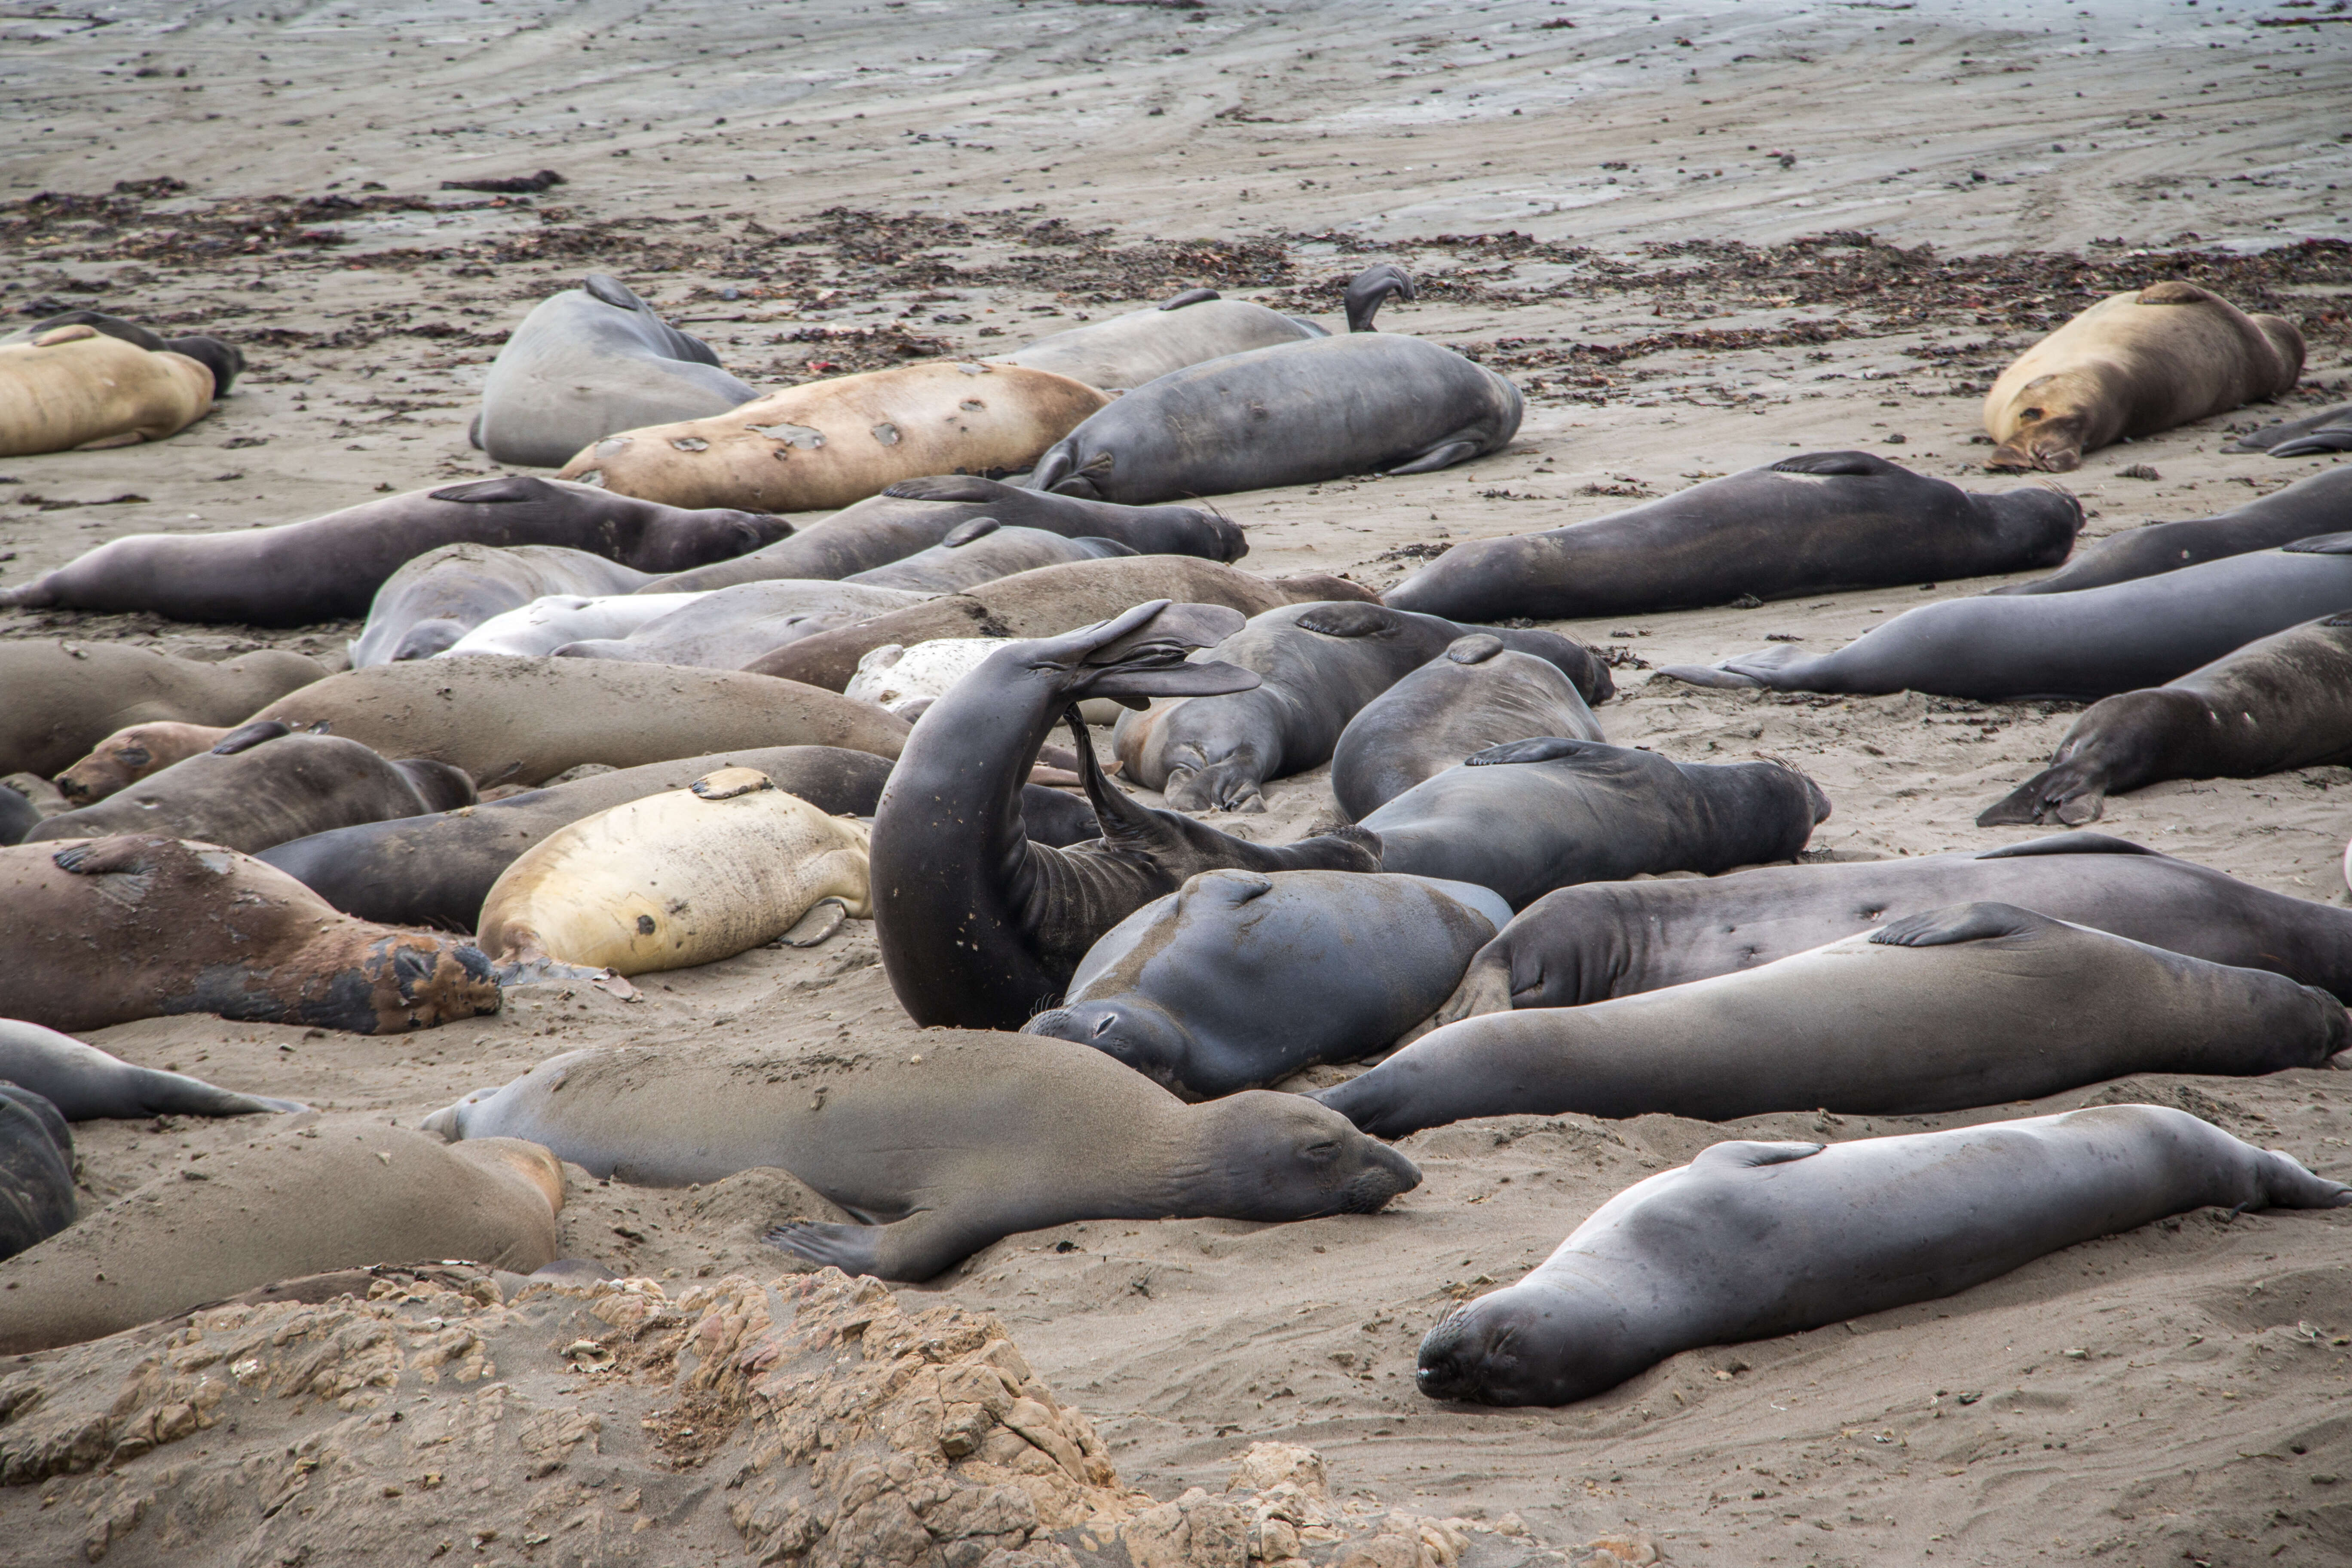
(1189,297)
(1233,782)
(948,487)
(530,966)
(1857,465)
(816,924)
(610,291)
(1957,923)
(1444,455)
(1747,1154)
(506,489)
(1369,289)
(2071,792)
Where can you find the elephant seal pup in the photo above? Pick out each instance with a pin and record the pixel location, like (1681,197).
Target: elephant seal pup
(1322,664)
(262,786)
(1239,979)
(64,697)
(588,362)
(1532,815)
(2078,646)
(1751,1240)
(979,924)
(2280,703)
(104,930)
(1477,694)
(2133,364)
(85,1083)
(435,599)
(2319,504)
(915,514)
(77,389)
(1813,524)
(1967,1006)
(37,1160)
(726,628)
(982,550)
(2328,431)
(523,721)
(831,443)
(131,755)
(330,568)
(675,879)
(344,1194)
(1292,414)
(950,1143)
(1046,603)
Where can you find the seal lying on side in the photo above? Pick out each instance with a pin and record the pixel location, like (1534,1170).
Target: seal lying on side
(2280,703)
(1241,978)
(1321,664)
(829,443)
(915,514)
(225,361)
(331,567)
(76,388)
(2079,647)
(85,1083)
(2133,364)
(2328,431)
(131,755)
(345,1194)
(442,595)
(1750,1240)
(262,786)
(110,930)
(37,1160)
(1293,415)
(981,926)
(675,879)
(64,697)
(1478,694)
(1812,524)
(2303,509)
(588,362)
(1971,1004)
(536,629)
(1536,814)
(982,550)
(727,628)
(965,1139)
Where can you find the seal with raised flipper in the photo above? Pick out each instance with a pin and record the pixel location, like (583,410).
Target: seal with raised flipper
(435,599)
(2330,430)
(2319,504)
(64,697)
(85,1083)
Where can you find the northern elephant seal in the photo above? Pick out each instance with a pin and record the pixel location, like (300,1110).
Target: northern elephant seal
(951,1143)
(1532,815)
(1476,694)
(522,720)
(36,1170)
(262,786)
(897,678)
(345,1193)
(1292,414)
(590,361)
(1966,1005)
(558,620)
(439,596)
(18,816)
(979,924)
(2329,430)
(1321,665)
(726,628)
(225,361)
(104,930)
(2133,364)
(2319,504)
(64,697)
(827,444)
(330,568)
(982,550)
(1811,524)
(77,388)
(85,1083)
(675,879)
(131,755)
(1239,979)
(1750,1240)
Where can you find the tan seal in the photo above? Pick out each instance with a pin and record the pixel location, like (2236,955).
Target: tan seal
(63,698)
(76,388)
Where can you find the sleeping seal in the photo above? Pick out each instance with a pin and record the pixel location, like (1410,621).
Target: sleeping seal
(64,697)
(2319,504)
(37,1161)
(131,755)
(442,595)
(2327,431)
(85,1083)
(1750,1240)
(946,1147)
(77,388)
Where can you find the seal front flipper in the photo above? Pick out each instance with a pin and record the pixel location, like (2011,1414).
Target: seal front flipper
(1444,455)
(1959,923)
(612,291)
(1369,289)
(1189,297)
(948,487)
(2072,792)
(1743,1153)
(2331,438)
(127,855)
(2073,844)
(1536,749)
(2321,545)
(917,1247)
(1853,464)
(505,490)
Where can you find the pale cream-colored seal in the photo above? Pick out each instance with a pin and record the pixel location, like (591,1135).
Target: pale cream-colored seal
(76,388)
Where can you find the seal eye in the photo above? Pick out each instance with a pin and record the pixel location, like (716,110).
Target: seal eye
(1324,1153)
(1103,1027)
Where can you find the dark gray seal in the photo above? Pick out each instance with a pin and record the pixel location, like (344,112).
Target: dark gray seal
(85,1083)
(2327,431)
(1477,694)
(1292,414)
(1321,665)
(588,362)
(1966,1005)
(981,926)
(2081,645)
(442,595)
(1750,1240)
(1812,524)
(18,816)
(2321,504)
(941,1145)
(1240,979)
(1532,815)
(329,568)
(37,1160)
(982,550)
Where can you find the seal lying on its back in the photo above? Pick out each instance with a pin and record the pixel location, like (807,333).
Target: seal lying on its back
(1293,415)
(727,628)
(1532,815)
(1970,1005)
(1241,978)
(2133,364)
(2303,509)
(331,567)
(944,1145)
(2283,702)
(1750,1240)
(37,1159)
(64,697)
(1813,524)
(2329,431)
(435,599)
(981,926)
(588,362)
(76,388)
(84,1082)
(982,550)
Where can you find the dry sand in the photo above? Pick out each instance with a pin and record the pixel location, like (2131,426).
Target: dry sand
(876,181)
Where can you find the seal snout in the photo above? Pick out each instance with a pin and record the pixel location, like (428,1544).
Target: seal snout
(1459,1360)
(1389,1174)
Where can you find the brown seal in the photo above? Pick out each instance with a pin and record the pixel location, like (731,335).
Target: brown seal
(132,753)
(63,698)
(75,388)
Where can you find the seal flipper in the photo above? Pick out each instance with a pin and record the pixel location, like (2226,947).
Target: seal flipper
(965,533)
(917,1247)
(948,487)
(611,291)
(1189,297)
(1444,455)
(1744,1155)
(2073,792)
(2329,438)
(125,853)
(506,489)
(1957,923)
(2320,544)
(2072,844)
(244,737)
(1858,465)
(1536,749)
(1349,618)
(1369,289)
(1708,676)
